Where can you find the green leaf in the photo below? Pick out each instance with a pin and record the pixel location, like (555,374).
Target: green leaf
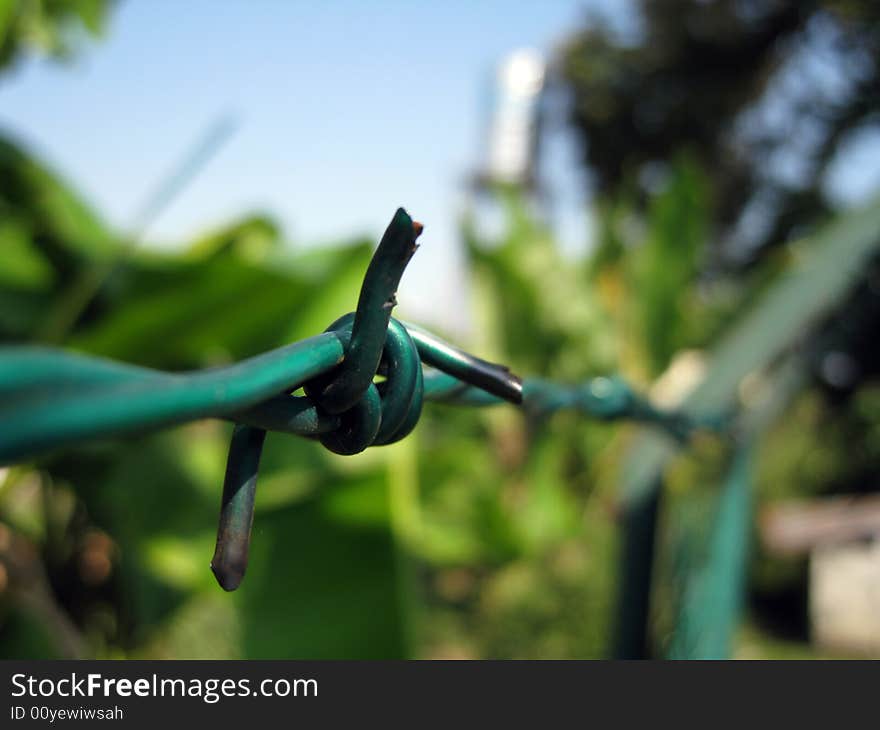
(324,580)
(175,314)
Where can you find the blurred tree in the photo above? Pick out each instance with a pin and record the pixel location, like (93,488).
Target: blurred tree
(49,26)
(763,93)
(766,98)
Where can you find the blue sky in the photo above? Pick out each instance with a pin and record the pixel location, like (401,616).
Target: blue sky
(345,110)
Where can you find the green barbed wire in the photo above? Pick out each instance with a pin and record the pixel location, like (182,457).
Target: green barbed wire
(51,398)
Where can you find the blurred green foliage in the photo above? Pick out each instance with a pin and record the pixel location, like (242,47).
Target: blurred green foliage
(744,91)
(47,26)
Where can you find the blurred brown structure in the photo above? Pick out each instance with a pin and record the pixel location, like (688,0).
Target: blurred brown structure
(842,537)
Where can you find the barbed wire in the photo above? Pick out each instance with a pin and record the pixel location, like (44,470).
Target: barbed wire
(51,398)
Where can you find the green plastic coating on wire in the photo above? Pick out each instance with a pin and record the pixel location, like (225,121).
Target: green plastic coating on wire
(603,398)
(237,508)
(50,398)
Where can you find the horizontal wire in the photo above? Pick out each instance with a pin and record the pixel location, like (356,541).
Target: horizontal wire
(53,398)
(487,376)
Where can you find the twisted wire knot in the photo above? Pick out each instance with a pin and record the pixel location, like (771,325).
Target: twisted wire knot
(384,412)
(371,340)
(343,405)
